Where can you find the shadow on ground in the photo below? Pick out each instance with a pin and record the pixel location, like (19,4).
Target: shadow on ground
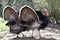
(28,38)
(54,26)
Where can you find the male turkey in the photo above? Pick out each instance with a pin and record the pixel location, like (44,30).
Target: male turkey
(29,17)
(10,15)
(34,19)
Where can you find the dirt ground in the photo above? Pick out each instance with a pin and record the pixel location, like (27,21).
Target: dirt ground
(52,32)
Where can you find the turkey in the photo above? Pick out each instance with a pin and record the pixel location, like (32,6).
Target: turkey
(10,15)
(33,19)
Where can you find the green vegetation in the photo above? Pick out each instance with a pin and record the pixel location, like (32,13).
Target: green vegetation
(2,25)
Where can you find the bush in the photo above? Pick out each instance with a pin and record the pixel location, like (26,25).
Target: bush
(2,25)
